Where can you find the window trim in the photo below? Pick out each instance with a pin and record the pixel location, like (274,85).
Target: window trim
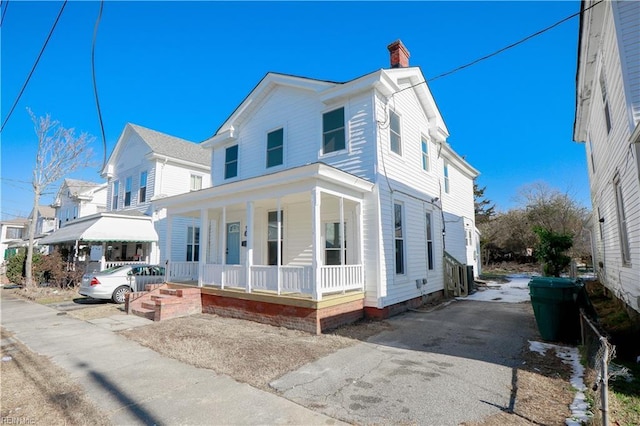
(447,183)
(621,218)
(605,100)
(270,240)
(272,149)
(142,191)
(344,128)
(398,133)
(425,155)
(341,238)
(128,184)
(429,240)
(228,163)
(400,267)
(194,244)
(115,189)
(192,179)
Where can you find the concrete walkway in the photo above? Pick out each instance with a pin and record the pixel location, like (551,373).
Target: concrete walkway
(135,385)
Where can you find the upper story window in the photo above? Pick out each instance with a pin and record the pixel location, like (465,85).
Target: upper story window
(425,155)
(127,191)
(142,196)
(114,195)
(395,141)
(275,148)
(196,182)
(75,212)
(399,238)
(14,233)
(231,162)
(605,100)
(593,164)
(446,177)
(622,223)
(333,131)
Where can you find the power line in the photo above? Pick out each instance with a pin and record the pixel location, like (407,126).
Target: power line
(33,68)
(4,12)
(95,86)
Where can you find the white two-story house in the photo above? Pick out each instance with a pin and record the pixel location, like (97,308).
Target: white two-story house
(145,165)
(607,121)
(79,198)
(328,201)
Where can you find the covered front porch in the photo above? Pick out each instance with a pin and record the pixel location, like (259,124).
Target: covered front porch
(296,233)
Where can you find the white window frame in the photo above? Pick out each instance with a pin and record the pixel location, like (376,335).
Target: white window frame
(142,190)
(623,235)
(399,239)
(227,162)
(341,238)
(447,183)
(429,240)
(426,160)
(115,189)
(393,132)
(344,128)
(128,184)
(195,182)
(193,243)
(279,147)
(605,100)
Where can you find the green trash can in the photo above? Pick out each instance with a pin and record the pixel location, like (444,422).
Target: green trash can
(556,308)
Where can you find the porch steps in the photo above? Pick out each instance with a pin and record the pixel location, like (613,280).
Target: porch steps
(159,302)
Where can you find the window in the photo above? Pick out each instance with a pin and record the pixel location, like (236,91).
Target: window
(275,148)
(127,191)
(333,244)
(142,196)
(399,237)
(605,100)
(272,237)
(75,212)
(333,131)
(193,244)
(14,233)
(468,240)
(425,155)
(446,177)
(429,242)
(114,195)
(196,182)
(622,223)
(394,133)
(231,162)
(593,164)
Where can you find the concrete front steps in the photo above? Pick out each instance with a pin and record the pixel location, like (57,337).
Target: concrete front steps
(159,302)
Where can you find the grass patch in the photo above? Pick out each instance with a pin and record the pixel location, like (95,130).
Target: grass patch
(45,295)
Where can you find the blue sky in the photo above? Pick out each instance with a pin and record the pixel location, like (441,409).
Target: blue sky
(182,68)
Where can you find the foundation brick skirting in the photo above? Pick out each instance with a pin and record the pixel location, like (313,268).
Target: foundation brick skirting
(306,319)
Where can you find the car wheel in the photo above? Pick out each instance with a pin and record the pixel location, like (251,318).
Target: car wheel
(120,293)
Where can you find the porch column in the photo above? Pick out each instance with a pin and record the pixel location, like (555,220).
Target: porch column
(249,254)
(316,245)
(360,237)
(167,243)
(223,252)
(204,243)
(103,260)
(343,260)
(279,249)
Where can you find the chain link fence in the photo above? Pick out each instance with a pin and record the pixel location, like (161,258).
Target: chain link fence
(600,370)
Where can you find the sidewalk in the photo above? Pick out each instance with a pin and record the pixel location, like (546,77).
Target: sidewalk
(136,385)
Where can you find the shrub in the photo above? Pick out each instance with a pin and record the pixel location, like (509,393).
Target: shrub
(16,266)
(550,250)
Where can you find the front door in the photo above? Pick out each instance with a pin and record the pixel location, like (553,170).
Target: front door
(233,243)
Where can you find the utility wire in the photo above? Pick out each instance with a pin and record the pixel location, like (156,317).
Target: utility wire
(95,86)
(4,12)
(33,68)
(512,45)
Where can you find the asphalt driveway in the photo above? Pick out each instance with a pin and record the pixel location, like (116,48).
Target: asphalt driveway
(442,367)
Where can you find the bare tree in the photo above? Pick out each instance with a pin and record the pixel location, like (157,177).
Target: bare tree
(59,153)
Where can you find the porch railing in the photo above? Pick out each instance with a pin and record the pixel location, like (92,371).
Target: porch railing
(111,264)
(285,279)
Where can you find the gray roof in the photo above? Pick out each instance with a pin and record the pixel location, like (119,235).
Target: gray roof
(77,186)
(17,221)
(173,147)
(47,212)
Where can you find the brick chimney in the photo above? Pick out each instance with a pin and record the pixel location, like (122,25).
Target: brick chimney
(399,55)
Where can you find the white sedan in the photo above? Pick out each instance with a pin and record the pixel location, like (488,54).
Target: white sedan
(114,283)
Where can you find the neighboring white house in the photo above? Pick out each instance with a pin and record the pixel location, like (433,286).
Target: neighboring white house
(321,188)
(12,233)
(144,165)
(78,198)
(607,122)
(45,220)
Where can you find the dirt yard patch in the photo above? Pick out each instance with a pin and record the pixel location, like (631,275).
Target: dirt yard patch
(35,391)
(247,351)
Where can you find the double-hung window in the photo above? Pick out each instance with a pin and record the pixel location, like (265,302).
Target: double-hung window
(399,238)
(272,238)
(334,250)
(275,148)
(127,191)
(395,140)
(142,195)
(425,155)
(193,244)
(605,100)
(622,223)
(429,241)
(333,131)
(196,182)
(231,162)
(446,177)
(115,189)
